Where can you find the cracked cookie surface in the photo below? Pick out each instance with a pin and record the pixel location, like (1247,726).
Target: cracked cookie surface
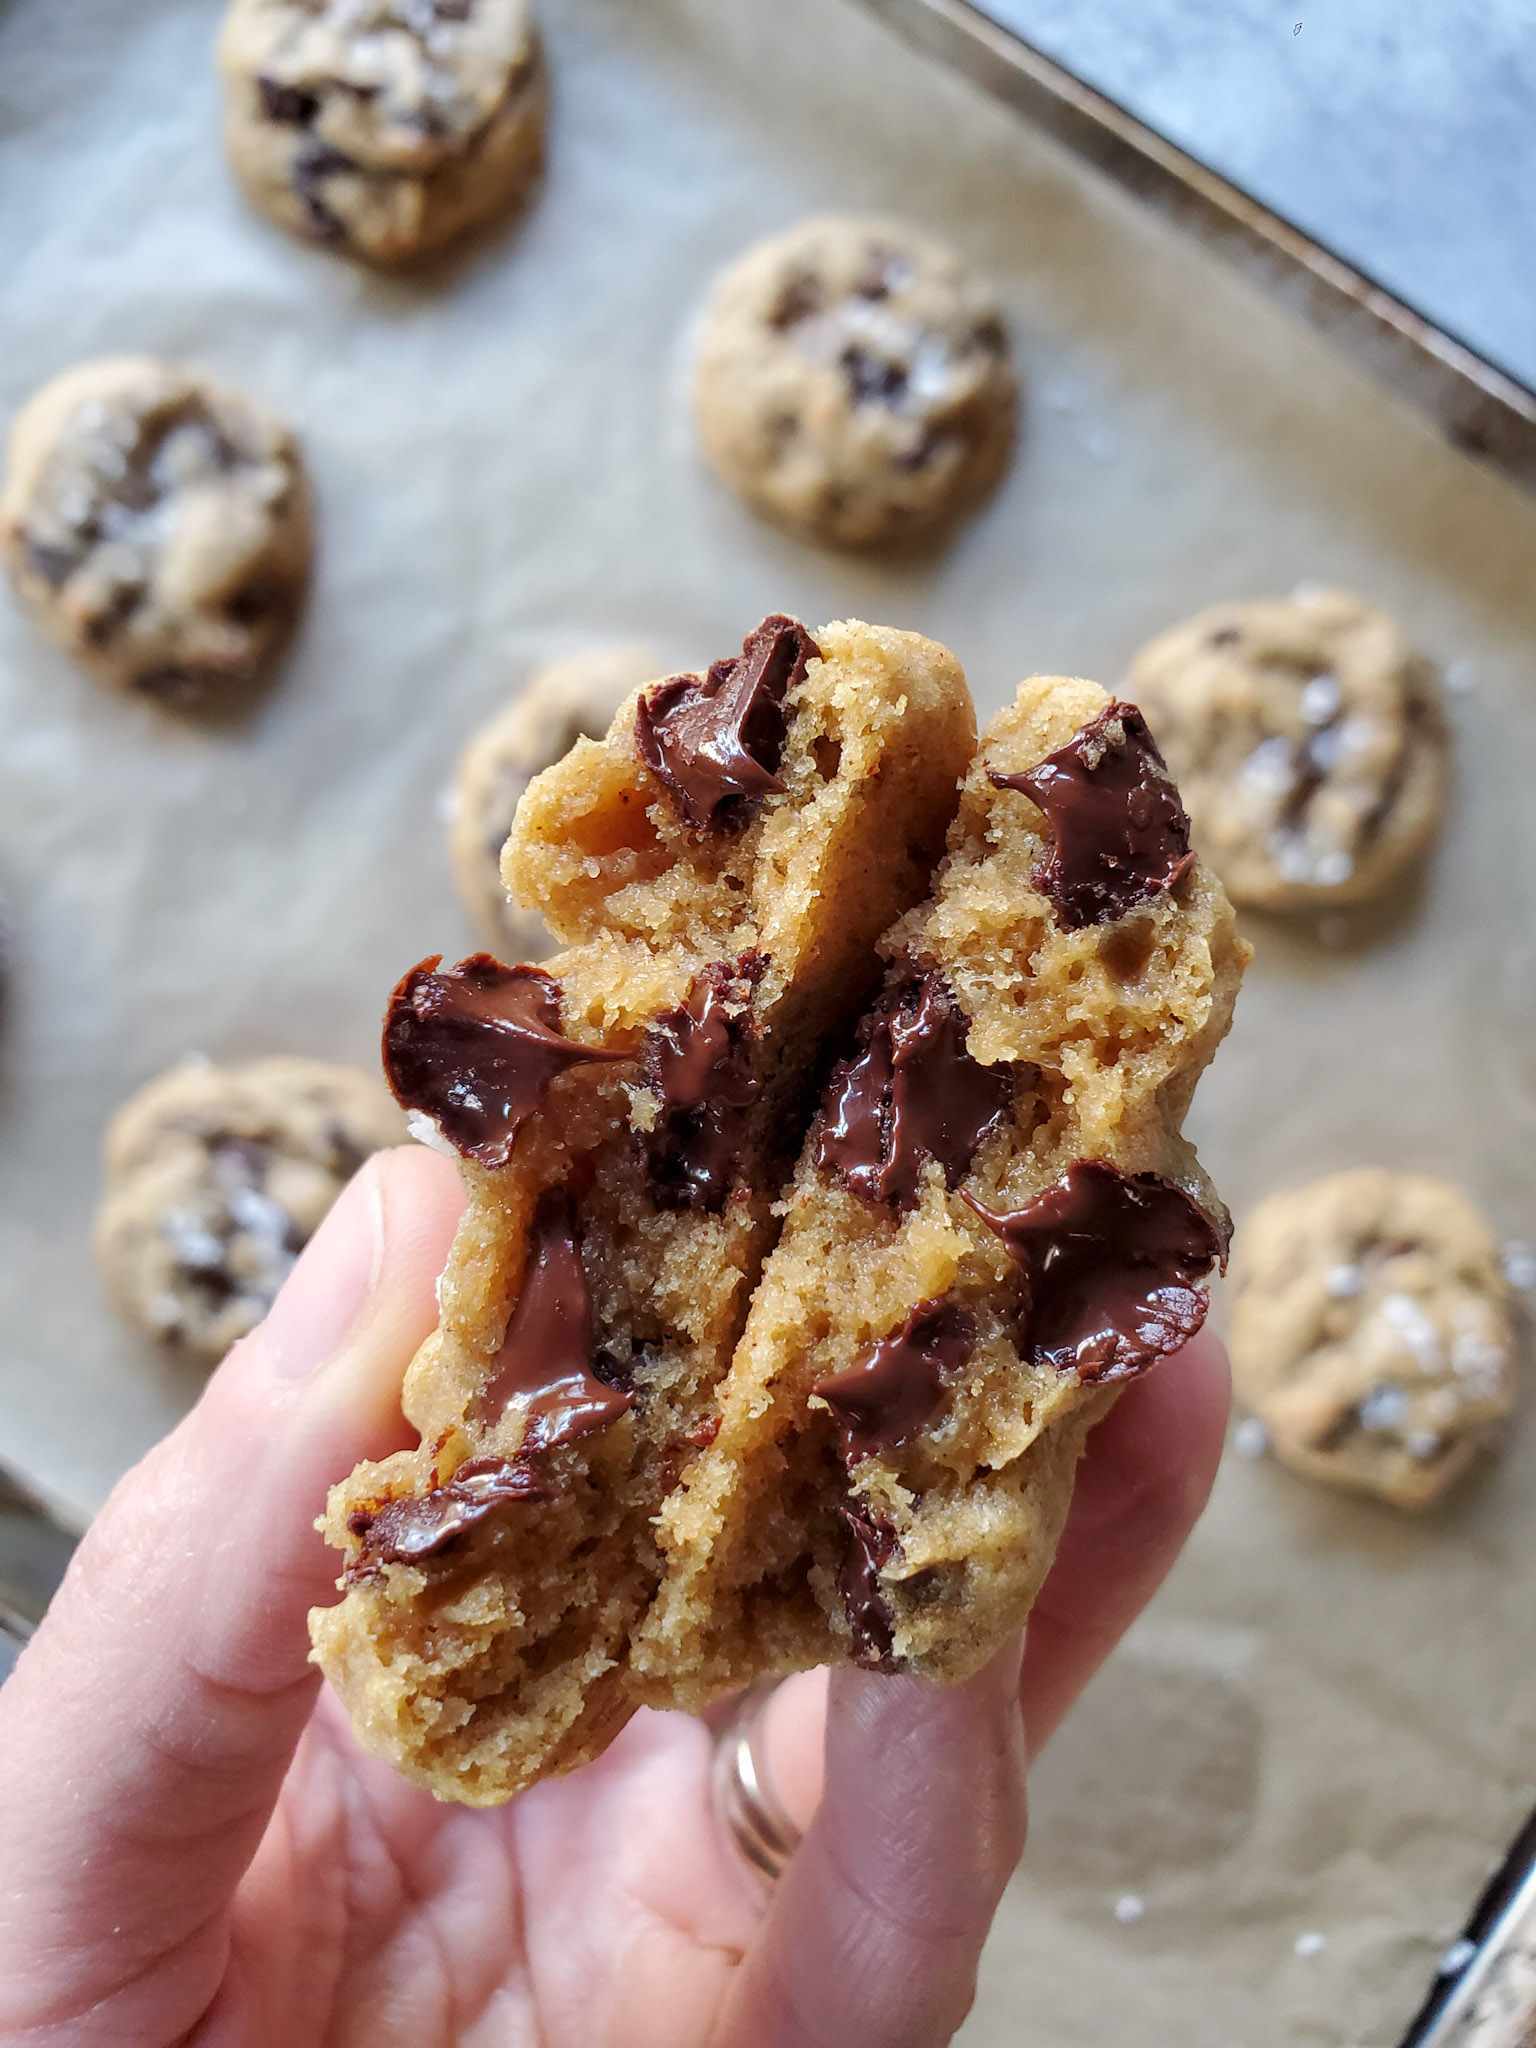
(1372,1332)
(383,128)
(853,380)
(1309,741)
(158,526)
(216,1179)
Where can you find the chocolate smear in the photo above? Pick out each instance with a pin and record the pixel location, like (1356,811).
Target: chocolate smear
(871,1544)
(1121,834)
(420,1525)
(911,1093)
(545,1360)
(716,740)
(890,1394)
(475,1046)
(1111,1262)
(698,1060)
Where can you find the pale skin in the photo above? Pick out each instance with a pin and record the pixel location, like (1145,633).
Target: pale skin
(195,1850)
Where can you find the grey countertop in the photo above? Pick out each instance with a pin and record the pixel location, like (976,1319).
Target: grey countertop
(1401,133)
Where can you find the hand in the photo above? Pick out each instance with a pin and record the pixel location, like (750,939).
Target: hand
(193,1848)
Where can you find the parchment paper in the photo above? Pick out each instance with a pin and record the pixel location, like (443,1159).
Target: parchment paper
(1325,1725)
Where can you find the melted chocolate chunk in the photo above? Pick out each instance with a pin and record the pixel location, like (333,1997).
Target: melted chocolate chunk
(716,740)
(475,1046)
(1120,832)
(911,1093)
(698,1060)
(888,1396)
(545,1360)
(420,1525)
(871,1544)
(870,379)
(1111,1262)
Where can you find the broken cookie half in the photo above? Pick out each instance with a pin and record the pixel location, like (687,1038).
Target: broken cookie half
(720,867)
(652,1466)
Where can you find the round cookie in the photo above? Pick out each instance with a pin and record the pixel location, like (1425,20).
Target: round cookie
(1372,1332)
(853,381)
(1308,740)
(383,128)
(216,1179)
(570,700)
(158,524)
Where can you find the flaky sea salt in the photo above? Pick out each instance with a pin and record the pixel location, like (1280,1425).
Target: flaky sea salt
(1344,1282)
(1457,1957)
(1311,1943)
(425,1131)
(1129,1908)
(1406,1317)
(1520,1265)
(1460,676)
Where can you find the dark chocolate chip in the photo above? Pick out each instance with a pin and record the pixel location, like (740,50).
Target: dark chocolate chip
(54,565)
(312,166)
(120,607)
(991,335)
(886,1398)
(1120,832)
(716,740)
(475,1046)
(1111,1262)
(800,297)
(453,10)
(1226,636)
(911,1093)
(418,1526)
(870,379)
(179,685)
(545,1360)
(290,105)
(698,1060)
(871,1544)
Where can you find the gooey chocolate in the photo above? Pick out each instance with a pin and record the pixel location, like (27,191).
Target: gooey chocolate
(420,1525)
(911,1093)
(1111,1262)
(886,1398)
(1121,834)
(698,1060)
(475,1046)
(871,1544)
(716,740)
(545,1360)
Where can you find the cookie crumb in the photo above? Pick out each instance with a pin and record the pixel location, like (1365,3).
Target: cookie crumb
(1250,1439)
(1311,1943)
(1129,1908)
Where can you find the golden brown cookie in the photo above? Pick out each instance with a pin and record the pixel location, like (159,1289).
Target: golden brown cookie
(570,700)
(382,128)
(216,1179)
(1372,1332)
(158,525)
(1309,741)
(719,866)
(994,1223)
(853,381)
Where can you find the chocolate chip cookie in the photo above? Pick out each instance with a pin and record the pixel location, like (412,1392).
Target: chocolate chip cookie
(1309,741)
(216,1179)
(718,868)
(158,526)
(994,1225)
(1372,1332)
(382,128)
(571,700)
(853,381)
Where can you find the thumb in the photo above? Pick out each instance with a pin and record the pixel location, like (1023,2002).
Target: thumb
(147,1729)
(875,1928)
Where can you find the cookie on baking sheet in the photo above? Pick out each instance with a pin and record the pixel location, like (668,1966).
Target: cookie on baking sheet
(216,1179)
(568,701)
(719,867)
(158,526)
(994,1224)
(1372,1332)
(383,128)
(853,380)
(1309,740)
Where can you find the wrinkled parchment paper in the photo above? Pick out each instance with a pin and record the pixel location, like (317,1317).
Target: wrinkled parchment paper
(1325,1727)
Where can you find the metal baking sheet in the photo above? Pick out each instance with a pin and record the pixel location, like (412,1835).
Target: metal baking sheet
(1274,1807)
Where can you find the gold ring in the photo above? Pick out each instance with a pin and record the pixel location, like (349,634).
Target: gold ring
(745,1801)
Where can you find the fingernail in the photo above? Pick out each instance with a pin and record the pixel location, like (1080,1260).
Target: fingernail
(324,1297)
